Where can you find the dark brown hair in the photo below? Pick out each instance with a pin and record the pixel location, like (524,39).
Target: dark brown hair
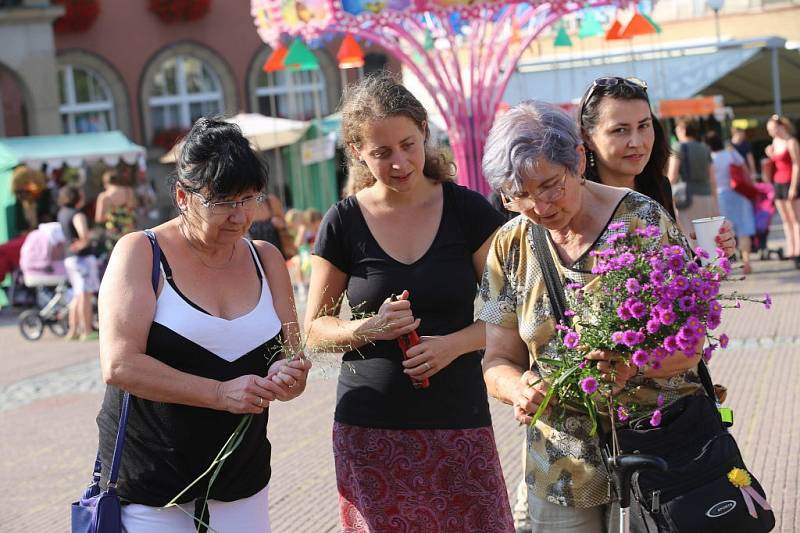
(377,97)
(650,181)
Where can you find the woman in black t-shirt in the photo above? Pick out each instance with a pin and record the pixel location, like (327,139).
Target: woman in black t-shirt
(406,457)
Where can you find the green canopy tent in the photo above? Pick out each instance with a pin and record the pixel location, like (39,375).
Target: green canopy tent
(8,226)
(54,151)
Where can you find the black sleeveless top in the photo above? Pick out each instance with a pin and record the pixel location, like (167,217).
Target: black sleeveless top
(168,445)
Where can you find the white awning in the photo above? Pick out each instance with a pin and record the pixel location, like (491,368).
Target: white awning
(264,133)
(739,71)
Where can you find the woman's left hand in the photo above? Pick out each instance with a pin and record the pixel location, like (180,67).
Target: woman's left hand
(726,239)
(613,368)
(428,357)
(287,379)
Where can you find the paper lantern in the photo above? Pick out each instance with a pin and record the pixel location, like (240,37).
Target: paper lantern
(274,62)
(638,25)
(350,54)
(299,57)
(562,38)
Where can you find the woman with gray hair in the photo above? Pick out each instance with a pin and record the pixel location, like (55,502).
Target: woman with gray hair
(535,158)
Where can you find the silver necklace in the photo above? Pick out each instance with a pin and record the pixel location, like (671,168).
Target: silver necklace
(199,257)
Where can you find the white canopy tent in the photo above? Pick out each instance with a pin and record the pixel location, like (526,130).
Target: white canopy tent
(264,133)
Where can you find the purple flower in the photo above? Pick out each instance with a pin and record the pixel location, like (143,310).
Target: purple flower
(670,344)
(633,286)
(767,301)
(660,400)
(623,312)
(614,237)
(720,252)
(588,385)
(616,226)
(656,277)
(675,263)
(574,286)
(626,259)
(700,252)
(725,265)
(723,341)
(569,312)
(655,365)
(715,308)
(680,283)
(657,264)
(622,414)
(571,340)
(687,345)
(617,337)
(637,309)
(639,358)
(692,267)
(713,322)
(655,420)
(653,325)
(667,317)
(708,351)
(583,364)
(658,354)
(686,303)
(631,338)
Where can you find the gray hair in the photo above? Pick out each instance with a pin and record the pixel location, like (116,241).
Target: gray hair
(522,136)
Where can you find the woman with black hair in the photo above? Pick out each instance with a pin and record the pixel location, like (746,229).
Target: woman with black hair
(207,347)
(626,146)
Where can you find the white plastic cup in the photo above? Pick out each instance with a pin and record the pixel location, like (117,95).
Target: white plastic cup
(706,230)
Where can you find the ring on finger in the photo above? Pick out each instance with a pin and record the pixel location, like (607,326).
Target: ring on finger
(291,385)
(260,401)
(427,366)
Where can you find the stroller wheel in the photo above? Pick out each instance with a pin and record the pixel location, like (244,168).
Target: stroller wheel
(59,326)
(31,325)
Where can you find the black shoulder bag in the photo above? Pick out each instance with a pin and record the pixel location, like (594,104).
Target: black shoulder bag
(697,493)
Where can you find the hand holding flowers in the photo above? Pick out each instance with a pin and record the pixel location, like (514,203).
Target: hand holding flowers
(651,308)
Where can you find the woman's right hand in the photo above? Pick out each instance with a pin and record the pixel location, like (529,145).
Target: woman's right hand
(528,396)
(394,318)
(243,395)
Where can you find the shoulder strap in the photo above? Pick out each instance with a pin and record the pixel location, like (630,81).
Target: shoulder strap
(123,419)
(552,279)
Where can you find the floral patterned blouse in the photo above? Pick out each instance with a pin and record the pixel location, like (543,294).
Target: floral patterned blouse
(563,463)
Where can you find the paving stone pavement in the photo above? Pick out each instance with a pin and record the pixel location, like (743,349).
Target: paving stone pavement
(50,392)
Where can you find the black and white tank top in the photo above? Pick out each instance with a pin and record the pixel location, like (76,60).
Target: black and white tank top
(168,445)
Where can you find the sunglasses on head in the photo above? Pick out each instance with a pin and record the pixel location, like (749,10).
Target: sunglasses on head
(633,83)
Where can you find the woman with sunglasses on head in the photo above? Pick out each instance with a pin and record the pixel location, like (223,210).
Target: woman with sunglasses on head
(204,349)
(536,158)
(784,152)
(626,145)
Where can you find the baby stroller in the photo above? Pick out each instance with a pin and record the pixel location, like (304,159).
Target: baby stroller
(42,265)
(764,212)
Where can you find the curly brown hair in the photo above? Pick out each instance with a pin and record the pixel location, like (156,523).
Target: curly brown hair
(376,97)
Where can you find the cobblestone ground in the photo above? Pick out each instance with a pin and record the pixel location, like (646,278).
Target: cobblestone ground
(50,392)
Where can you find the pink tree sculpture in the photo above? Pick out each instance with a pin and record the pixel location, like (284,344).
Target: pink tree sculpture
(462,51)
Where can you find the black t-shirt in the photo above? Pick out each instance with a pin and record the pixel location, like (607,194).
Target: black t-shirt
(373,391)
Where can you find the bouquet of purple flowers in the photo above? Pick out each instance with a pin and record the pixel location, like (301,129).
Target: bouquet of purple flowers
(649,302)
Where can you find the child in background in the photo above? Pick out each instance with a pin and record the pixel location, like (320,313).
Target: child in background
(300,265)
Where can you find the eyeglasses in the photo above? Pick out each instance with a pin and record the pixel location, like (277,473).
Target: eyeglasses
(520,203)
(633,83)
(249,204)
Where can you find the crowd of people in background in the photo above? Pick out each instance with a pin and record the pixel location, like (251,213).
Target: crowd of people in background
(414,384)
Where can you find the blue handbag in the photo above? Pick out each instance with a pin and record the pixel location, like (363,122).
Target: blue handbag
(100,511)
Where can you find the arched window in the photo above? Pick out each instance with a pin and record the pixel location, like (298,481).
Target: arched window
(183,89)
(86,101)
(295,95)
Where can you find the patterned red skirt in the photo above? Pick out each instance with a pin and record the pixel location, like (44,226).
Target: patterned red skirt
(420,481)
